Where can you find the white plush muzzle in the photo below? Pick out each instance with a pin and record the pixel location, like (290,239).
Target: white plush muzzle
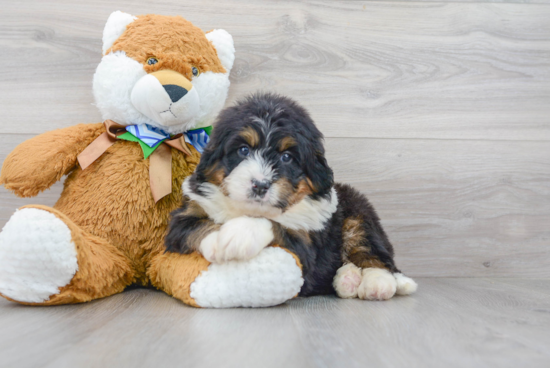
(151,99)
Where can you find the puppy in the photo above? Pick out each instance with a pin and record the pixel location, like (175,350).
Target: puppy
(263,180)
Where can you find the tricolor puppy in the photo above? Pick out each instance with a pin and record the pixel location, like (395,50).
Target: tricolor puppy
(263,180)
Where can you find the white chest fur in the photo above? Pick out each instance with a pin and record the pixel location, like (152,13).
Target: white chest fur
(308,214)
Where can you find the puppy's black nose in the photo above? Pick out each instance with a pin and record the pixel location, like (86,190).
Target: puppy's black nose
(260,188)
(175,92)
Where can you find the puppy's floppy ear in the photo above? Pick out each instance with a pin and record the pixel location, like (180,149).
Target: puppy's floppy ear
(210,158)
(317,170)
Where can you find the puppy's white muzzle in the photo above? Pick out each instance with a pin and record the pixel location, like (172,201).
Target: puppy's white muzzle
(166,97)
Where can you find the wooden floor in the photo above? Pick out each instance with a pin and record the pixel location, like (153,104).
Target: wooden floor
(450,322)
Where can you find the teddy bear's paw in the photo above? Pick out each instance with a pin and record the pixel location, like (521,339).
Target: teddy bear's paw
(347,281)
(242,238)
(271,278)
(37,256)
(377,284)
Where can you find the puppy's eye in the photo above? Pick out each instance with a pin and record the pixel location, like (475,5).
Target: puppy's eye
(244,151)
(195,71)
(152,61)
(286,157)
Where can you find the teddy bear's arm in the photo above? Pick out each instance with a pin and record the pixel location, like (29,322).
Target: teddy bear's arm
(36,164)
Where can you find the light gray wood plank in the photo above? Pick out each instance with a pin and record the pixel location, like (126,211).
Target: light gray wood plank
(186,337)
(526,2)
(518,286)
(449,322)
(456,208)
(368,69)
(451,208)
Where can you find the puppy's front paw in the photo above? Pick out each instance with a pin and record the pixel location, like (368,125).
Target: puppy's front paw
(242,238)
(377,284)
(347,281)
(209,245)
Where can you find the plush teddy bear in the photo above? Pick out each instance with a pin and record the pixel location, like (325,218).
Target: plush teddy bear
(159,85)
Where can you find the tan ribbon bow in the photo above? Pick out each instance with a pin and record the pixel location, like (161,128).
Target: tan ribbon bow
(160,161)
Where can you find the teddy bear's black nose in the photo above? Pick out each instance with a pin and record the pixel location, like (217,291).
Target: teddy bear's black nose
(175,92)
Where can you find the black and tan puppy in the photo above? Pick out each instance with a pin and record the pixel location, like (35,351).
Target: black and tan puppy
(263,180)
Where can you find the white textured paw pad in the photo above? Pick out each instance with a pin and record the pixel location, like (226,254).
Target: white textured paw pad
(347,280)
(271,278)
(377,284)
(405,285)
(37,256)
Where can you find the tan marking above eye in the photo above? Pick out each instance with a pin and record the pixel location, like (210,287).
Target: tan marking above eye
(251,136)
(286,143)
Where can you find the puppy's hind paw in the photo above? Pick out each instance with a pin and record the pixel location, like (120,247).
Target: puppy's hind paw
(347,281)
(377,284)
(405,285)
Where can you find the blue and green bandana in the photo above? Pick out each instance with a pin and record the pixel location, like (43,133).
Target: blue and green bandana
(150,137)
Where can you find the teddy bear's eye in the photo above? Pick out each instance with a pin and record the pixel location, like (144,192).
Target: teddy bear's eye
(152,61)
(195,71)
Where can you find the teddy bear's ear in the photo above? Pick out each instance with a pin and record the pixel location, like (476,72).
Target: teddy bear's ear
(116,25)
(223,42)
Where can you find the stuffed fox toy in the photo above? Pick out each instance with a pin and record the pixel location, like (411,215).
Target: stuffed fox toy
(159,86)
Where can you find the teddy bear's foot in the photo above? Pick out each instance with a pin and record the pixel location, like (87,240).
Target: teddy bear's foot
(271,278)
(46,259)
(37,256)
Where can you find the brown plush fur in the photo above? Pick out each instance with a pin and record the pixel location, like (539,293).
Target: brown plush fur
(36,164)
(116,226)
(176,273)
(180,49)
